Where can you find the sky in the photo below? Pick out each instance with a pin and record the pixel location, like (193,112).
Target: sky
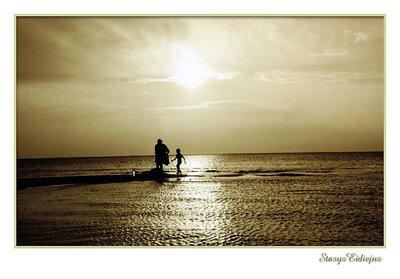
(111,86)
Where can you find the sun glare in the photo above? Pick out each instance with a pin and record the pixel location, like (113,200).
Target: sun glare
(191,72)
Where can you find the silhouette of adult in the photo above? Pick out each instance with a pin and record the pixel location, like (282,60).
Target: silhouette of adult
(161,152)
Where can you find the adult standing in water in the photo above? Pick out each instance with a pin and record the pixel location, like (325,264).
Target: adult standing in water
(161,152)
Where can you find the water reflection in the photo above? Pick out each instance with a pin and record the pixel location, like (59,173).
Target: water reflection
(196,211)
(198,164)
(199,214)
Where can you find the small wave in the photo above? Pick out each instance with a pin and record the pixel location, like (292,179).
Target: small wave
(255,171)
(284,172)
(293,174)
(229,175)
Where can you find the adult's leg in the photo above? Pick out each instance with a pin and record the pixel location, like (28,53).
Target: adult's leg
(159,166)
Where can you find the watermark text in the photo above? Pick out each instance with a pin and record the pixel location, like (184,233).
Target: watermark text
(350,258)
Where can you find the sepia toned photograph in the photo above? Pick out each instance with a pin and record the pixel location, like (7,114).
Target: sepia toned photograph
(192,131)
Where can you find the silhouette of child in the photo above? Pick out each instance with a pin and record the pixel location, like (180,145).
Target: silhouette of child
(179,158)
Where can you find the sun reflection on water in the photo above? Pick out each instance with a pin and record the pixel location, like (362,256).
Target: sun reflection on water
(198,165)
(200,213)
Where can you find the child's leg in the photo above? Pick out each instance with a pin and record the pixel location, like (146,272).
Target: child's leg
(178,168)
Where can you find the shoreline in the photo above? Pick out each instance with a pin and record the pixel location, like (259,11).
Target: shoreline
(23,183)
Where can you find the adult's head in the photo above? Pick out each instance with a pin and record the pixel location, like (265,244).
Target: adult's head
(159,141)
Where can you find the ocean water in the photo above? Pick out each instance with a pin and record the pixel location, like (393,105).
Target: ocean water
(302,199)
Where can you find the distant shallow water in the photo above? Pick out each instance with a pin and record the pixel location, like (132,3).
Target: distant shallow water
(205,164)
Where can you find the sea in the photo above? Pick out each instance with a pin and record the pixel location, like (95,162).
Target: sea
(288,199)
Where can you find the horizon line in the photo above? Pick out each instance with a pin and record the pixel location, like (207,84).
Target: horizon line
(198,154)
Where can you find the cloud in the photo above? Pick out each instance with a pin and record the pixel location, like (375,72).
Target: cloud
(346,33)
(331,52)
(214,75)
(237,104)
(143,53)
(228,104)
(312,36)
(150,80)
(289,76)
(361,37)
(204,105)
(227,75)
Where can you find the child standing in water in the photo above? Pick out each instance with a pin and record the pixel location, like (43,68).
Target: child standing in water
(179,158)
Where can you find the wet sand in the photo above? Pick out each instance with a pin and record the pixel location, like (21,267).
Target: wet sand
(284,211)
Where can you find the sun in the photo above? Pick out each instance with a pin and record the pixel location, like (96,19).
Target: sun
(191,72)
